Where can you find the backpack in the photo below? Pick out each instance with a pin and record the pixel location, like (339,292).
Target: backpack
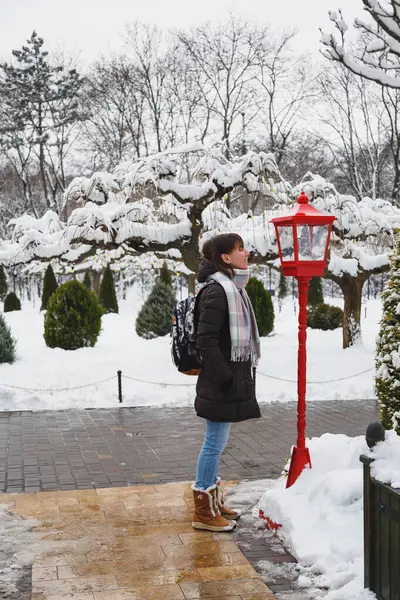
(183,343)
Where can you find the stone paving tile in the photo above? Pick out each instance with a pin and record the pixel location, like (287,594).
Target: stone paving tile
(103,448)
(101,560)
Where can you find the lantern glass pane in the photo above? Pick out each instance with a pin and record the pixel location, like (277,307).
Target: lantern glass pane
(286,241)
(312,241)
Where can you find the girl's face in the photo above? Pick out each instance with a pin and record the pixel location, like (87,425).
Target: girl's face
(238,258)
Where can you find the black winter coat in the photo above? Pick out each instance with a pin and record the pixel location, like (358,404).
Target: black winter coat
(213,400)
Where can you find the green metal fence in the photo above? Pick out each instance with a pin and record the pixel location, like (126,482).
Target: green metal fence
(381,536)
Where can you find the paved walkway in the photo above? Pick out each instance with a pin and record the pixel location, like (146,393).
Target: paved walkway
(102,448)
(132,543)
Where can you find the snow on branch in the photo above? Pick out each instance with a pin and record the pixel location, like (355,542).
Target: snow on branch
(363,232)
(379,60)
(143,204)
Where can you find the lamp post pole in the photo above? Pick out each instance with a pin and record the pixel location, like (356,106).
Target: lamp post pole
(300,454)
(303,237)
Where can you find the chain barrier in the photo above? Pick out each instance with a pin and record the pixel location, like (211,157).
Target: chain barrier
(317,382)
(159,382)
(163,384)
(49,390)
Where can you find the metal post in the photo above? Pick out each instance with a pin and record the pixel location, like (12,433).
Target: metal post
(119,374)
(301,455)
(243,134)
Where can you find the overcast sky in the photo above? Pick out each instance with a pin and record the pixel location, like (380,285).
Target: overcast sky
(93,27)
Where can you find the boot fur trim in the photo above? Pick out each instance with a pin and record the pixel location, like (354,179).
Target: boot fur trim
(210,498)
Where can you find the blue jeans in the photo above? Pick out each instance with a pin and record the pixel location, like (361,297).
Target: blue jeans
(215,440)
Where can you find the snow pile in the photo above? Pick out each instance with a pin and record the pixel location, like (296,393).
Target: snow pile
(18,548)
(322,517)
(386,466)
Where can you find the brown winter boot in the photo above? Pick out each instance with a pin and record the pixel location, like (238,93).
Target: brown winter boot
(227,513)
(206,514)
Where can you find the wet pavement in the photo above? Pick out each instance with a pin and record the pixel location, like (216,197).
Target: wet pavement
(134,543)
(101,448)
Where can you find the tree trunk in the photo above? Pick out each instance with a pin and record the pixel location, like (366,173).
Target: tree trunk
(352,292)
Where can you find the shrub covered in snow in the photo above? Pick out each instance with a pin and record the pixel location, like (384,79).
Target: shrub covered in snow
(12,302)
(155,317)
(324,316)
(262,305)
(107,296)
(3,283)
(49,286)
(315,294)
(7,343)
(73,317)
(387,379)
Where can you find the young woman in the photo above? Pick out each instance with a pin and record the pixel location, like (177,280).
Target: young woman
(229,346)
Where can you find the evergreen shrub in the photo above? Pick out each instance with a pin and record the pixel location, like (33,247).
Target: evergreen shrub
(155,317)
(7,343)
(387,363)
(73,317)
(107,295)
(262,305)
(49,286)
(324,316)
(12,302)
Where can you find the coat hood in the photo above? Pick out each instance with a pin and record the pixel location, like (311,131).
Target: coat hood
(206,268)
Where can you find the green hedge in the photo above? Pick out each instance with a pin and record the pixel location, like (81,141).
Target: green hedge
(325,317)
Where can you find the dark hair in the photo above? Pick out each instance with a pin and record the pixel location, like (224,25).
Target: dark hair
(222,244)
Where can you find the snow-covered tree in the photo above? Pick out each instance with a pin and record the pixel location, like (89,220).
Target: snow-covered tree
(161,203)
(171,202)
(362,237)
(378,57)
(388,348)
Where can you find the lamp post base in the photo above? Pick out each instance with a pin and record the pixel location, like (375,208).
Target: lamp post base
(300,460)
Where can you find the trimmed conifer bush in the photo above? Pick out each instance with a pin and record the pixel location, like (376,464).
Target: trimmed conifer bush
(12,302)
(107,295)
(324,316)
(3,283)
(387,349)
(87,282)
(262,305)
(165,275)
(7,343)
(73,317)
(49,286)
(155,317)
(315,293)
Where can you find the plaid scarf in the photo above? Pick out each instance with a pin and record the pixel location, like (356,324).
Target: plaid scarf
(243,328)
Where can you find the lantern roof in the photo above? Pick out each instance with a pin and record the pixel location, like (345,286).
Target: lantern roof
(304,213)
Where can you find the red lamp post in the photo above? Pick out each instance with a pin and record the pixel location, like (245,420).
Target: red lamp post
(303,237)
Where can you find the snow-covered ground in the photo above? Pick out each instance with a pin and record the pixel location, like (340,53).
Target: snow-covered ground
(118,347)
(322,516)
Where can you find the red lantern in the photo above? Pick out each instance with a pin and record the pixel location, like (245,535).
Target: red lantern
(303,237)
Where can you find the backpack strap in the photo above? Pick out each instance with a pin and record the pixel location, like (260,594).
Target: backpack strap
(196,304)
